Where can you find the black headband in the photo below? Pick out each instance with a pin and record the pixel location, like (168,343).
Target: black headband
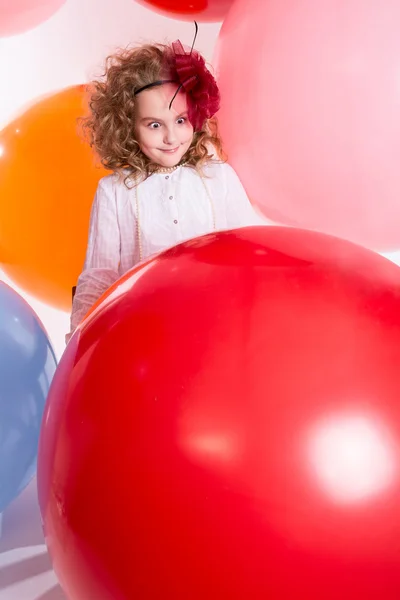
(154,84)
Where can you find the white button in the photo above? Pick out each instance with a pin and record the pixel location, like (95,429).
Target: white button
(167,177)
(176,222)
(171,197)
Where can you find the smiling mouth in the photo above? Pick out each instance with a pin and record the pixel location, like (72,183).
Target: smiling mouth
(170,151)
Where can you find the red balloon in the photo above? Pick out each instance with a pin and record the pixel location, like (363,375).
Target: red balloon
(226,425)
(189,10)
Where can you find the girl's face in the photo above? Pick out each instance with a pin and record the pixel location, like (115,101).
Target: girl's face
(164,134)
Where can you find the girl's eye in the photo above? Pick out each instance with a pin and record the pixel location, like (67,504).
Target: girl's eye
(181,120)
(154,125)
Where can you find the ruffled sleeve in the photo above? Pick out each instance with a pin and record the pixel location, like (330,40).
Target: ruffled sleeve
(101,268)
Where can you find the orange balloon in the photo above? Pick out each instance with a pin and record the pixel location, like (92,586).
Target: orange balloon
(48,178)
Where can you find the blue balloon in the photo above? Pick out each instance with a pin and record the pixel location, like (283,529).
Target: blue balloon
(27,366)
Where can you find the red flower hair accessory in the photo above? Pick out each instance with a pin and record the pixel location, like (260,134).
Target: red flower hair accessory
(190,71)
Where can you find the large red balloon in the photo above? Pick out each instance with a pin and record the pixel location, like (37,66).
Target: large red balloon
(226,425)
(310,113)
(188,10)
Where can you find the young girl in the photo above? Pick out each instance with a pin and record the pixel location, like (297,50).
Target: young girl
(151,125)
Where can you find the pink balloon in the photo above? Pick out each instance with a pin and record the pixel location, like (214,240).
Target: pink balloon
(17,16)
(311,113)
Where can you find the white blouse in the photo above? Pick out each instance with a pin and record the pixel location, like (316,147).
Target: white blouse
(172,207)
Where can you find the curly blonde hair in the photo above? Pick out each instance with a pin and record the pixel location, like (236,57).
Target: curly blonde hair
(110,124)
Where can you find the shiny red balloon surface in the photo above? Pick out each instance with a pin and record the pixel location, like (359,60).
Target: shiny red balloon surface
(188,10)
(226,425)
